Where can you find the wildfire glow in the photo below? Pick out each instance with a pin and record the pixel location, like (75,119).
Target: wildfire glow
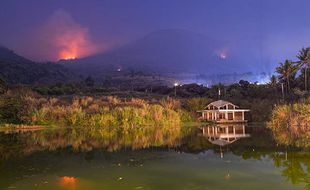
(74,43)
(66,38)
(68,182)
(67,55)
(222,55)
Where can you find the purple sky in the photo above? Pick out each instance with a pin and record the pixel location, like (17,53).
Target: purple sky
(277,28)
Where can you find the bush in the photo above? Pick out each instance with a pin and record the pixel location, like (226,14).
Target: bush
(170,103)
(14,105)
(195,104)
(11,110)
(291,124)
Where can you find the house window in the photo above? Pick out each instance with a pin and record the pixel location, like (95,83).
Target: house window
(222,116)
(238,116)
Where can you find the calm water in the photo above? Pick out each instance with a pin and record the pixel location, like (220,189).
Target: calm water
(213,158)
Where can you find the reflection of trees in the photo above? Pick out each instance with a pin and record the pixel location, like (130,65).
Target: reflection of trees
(296,167)
(294,164)
(287,137)
(195,144)
(79,139)
(290,124)
(110,139)
(61,142)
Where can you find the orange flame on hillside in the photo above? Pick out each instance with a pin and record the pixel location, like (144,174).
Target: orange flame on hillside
(67,38)
(68,55)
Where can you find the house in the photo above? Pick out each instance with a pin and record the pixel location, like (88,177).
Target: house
(224,134)
(222,111)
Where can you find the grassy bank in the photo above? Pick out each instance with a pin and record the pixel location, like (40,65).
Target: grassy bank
(106,111)
(291,124)
(22,106)
(87,111)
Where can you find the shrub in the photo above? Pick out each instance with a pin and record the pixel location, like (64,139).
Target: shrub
(102,112)
(291,124)
(11,110)
(170,103)
(194,104)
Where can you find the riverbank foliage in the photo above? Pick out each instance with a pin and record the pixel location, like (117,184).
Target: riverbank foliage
(291,123)
(26,107)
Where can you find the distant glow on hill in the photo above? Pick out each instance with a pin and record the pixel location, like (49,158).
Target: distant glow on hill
(223,55)
(68,55)
(66,38)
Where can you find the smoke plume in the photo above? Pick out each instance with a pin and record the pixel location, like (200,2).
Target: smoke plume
(63,38)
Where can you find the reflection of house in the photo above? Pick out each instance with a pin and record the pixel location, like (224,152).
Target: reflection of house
(223,112)
(224,134)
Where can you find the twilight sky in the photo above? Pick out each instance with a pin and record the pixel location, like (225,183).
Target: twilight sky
(53,29)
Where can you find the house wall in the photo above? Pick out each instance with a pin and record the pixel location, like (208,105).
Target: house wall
(238,115)
(224,115)
(230,116)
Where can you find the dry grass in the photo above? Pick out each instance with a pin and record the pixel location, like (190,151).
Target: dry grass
(103,111)
(291,124)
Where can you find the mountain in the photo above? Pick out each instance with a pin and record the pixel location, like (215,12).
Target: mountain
(164,55)
(162,52)
(17,69)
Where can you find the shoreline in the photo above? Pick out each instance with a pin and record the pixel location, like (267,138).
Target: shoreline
(37,127)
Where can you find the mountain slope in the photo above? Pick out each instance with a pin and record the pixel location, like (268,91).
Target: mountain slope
(163,51)
(16,69)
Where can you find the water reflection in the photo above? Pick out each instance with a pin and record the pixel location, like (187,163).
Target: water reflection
(116,152)
(68,182)
(23,143)
(224,134)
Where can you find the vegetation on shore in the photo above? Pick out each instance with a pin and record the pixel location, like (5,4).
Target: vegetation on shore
(21,105)
(89,104)
(291,123)
(87,111)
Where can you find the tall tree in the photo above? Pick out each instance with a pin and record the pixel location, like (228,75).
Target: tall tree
(287,71)
(273,81)
(304,62)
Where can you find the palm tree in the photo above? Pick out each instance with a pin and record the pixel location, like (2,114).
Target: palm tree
(287,71)
(304,61)
(273,81)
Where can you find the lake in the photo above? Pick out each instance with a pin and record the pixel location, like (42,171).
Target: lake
(210,157)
